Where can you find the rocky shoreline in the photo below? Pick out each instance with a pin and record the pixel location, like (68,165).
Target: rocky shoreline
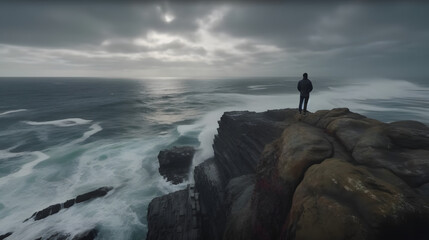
(89,234)
(333,174)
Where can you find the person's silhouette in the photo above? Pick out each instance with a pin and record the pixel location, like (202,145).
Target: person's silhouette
(304,87)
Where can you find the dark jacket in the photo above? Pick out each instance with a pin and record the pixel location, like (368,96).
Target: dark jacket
(305,87)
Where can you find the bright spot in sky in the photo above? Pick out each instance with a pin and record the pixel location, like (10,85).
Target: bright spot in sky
(168,18)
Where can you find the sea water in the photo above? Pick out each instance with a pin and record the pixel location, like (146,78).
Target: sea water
(61,137)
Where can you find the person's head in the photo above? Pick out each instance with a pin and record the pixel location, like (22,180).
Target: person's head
(305,75)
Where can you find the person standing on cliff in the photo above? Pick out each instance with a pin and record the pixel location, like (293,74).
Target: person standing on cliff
(304,87)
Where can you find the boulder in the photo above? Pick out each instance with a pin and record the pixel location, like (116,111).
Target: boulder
(174,163)
(339,200)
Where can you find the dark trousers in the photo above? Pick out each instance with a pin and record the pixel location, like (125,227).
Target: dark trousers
(305,100)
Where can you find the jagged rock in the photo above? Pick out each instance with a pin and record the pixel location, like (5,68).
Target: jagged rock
(209,183)
(69,203)
(4,236)
(174,163)
(332,174)
(58,236)
(237,199)
(100,192)
(87,235)
(238,192)
(175,216)
(242,137)
(90,234)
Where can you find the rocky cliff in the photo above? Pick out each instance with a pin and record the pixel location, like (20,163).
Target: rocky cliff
(332,174)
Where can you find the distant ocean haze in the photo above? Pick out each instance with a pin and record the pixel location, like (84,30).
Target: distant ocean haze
(61,137)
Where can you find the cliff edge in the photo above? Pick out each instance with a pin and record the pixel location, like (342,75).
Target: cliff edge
(333,174)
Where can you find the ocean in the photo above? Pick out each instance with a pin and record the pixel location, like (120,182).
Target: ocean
(61,137)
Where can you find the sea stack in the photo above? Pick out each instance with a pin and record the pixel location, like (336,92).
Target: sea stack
(174,163)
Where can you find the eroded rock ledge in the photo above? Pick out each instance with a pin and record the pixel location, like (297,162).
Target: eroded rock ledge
(332,174)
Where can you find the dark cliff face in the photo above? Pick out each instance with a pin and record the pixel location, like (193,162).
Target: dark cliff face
(332,174)
(241,139)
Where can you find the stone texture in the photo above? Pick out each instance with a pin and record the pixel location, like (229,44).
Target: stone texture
(237,200)
(100,192)
(209,182)
(242,137)
(90,234)
(332,174)
(175,216)
(4,236)
(339,200)
(174,163)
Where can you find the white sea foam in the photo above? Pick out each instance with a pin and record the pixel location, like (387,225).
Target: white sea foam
(25,169)
(61,123)
(12,111)
(129,166)
(359,97)
(94,128)
(257,87)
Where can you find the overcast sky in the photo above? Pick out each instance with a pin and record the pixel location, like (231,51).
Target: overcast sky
(190,39)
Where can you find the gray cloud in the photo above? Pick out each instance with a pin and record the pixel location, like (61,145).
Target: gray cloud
(213,39)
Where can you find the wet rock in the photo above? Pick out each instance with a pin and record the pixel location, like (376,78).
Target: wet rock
(242,137)
(4,236)
(209,183)
(47,211)
(90,234)
(237,147)
(238,192)
(174,163)
(100,192)
(237,199)
(332,174)
(69,203)
(175,216)
(87,235)
(57,236)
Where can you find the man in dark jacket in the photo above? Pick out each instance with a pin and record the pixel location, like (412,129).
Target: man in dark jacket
(304,87)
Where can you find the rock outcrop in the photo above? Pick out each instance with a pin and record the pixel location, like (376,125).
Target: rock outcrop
(3,236)
(332,174)
(90,234)
(241,139)
(100,192)
(174,163)
(175,216)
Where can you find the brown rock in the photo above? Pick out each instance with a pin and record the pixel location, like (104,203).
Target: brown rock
(337,200)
